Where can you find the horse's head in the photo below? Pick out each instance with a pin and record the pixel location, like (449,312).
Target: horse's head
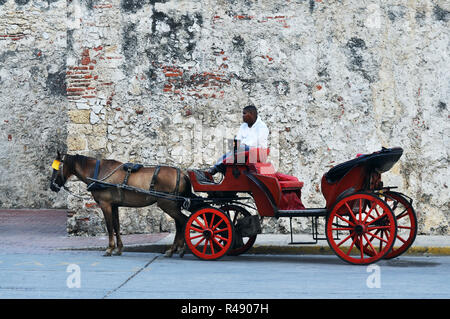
(60,173)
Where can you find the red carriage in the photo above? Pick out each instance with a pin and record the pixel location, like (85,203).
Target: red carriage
(364,221)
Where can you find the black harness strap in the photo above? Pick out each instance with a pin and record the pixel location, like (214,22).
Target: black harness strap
(154,180)
(155,175)
(96,186)
(125,181)
(97,167)
(177,186)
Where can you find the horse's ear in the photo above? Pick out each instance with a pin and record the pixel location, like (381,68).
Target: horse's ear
(58,155)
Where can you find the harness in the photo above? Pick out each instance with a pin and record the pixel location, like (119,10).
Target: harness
(129,168)
(155,176)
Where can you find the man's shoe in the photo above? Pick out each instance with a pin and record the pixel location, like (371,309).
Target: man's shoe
(213,170)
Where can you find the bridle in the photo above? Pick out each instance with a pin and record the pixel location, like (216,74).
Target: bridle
(58,167)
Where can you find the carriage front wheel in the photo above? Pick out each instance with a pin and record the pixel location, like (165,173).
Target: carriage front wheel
(209,233)
(355,221)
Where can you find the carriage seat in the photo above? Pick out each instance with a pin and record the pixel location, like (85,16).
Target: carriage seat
(285,181)
(131,167)
(288,181)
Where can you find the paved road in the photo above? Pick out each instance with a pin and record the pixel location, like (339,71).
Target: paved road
(87,274)
(33,266)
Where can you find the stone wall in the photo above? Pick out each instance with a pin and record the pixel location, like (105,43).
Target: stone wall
(33,119)
(164,82)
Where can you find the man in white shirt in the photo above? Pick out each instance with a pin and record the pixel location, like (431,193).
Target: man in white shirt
(253,133)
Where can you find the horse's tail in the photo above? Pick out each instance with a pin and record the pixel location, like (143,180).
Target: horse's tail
(188,189)
(193,205)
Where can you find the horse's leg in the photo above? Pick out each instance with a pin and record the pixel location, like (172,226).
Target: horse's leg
(179,237)
(107,213)
(173,210)
(116,224)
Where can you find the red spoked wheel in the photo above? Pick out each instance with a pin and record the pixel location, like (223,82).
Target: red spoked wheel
(209,233)
(354,222)
(406,222)
(241,243)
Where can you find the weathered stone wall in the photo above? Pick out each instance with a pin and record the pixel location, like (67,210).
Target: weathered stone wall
(33,119)
(164,82)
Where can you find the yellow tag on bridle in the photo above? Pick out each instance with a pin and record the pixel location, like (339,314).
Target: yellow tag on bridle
(56,164)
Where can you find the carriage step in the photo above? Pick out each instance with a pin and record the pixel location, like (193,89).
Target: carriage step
(307,212)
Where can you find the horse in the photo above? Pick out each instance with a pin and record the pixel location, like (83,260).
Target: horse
(161,179)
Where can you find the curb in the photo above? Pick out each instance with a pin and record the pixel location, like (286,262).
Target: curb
(325,250)
(276,250)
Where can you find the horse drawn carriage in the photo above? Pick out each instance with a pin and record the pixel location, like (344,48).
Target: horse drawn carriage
(364,220)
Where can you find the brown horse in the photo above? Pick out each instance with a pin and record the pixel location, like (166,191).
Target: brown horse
(164,179)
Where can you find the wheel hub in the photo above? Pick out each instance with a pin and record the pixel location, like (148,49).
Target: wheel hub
(359,229)
(207,233)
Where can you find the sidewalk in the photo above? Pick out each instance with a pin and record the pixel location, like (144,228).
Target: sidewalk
(31,231)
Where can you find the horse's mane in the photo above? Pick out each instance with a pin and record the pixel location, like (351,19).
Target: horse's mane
(80,159)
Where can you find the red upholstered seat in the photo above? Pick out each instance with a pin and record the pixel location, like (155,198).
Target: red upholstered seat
(290,186)
(288,181)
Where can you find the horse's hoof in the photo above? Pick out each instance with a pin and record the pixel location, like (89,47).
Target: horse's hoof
(117,252)
(107,254)
(168,254)
(181,252)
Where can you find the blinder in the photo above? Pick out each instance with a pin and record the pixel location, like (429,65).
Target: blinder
(57,166)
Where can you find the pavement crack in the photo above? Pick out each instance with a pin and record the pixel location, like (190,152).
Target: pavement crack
(109,293)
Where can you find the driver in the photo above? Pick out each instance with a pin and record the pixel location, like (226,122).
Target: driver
(253,133)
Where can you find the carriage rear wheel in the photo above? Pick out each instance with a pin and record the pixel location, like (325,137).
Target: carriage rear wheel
(209,233)
(406,222)
(241,244)
(356,221)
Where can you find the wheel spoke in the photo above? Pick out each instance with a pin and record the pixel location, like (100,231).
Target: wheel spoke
(402,214)
(212,245)
(376,210)
(378,227)
(351,211)
(369,243)
(220,230)
(351,246)
(220,221)
(378,218)
(195,237)
(196,229)
(345,220)
(377,237)
(403,240)
(199,223)
(221,238)
(361,250)
(342,228)
(369,213)
(212,220)
(360,209)
(199,242)
(205,246)
(344,240)
(217,243)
